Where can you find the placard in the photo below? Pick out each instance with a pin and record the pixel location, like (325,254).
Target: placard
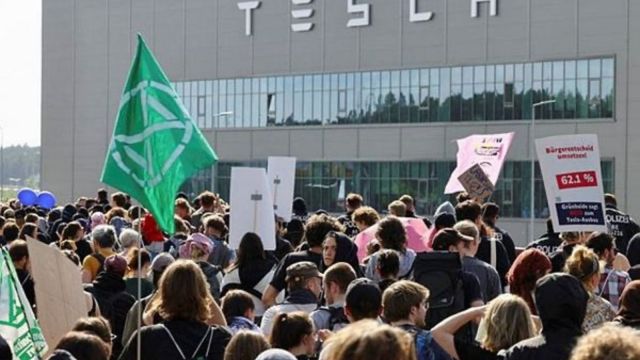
(281,172)
(476,183)
(572,177)
(251,207)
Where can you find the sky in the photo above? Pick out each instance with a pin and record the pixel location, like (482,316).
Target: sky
(20,71)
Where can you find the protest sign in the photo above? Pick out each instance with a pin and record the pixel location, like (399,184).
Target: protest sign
(281,172)
(59,294)
(476,183)
(251,207)
(488,151)
(570,167)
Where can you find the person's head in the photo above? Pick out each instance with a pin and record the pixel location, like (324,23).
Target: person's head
(561,302)
(293,332)
(245,345)
(507,321)
(451,240)
(603,245)
(357,342)
(10,232)
(116,265)
(329,248)
(388,265)
(527,268)
(19,215)
(572,237)
(318,226)
(462,197)
(207,200)
(391,234)
(304,275)
(585,266)
(136,212)
(364,217)
(490,213)
(73,231)
(469,210)
(159,264)
(214,225)
(250,249)
(130,238)
(102,195)
(97,326)
(406,301)
(336,280)
(363,300)
(31,218)
(182,208)
(118,200)
(607,342)
(407,200)
(299,206)
(295,232)
(28,230)
(84,345)
(468,228)
(103,236)
(133,264)
(19,253)
(629,310)
(397,208)
(610,200)
(353,201)
(238,303)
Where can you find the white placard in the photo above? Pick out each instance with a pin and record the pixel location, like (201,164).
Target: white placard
(281,172)
(570,167)
(251,207)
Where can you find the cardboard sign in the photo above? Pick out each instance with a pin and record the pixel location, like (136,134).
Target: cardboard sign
(488,151)
(570,167)
(59,293)
(476,183)
(251,207)
(281,172)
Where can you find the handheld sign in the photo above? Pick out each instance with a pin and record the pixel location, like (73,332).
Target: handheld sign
(476,183)
(570,167)
(251,207)
(281,172)
(488,151)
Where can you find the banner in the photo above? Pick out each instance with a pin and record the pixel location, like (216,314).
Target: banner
(488,151)
(570,167)
(17,323)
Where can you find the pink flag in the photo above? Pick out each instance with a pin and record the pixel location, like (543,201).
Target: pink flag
(417,236)
(489,151)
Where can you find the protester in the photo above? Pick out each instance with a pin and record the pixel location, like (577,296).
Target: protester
(186,308)
(505,321)
(81,345)
(299,208)
(294,232)
(585,266)
(612,282)
(490,215)
(283,246)
(10,232)
(363,300)
(621,226)
(198,248)
(251,272)
(608,342)
(74,232)
(304,286)
(365,217)
(294,332)
(103,237)
(19,253)
(397,208)
(28,231)
(138,266)
(336,248)
(569,241)
(246,345)
(392,235)
(216,229)
(239,311)
(530,265)
(561,302)
(387,268)
(351,204)
(335,282)
(276,354)
(629,311)
(97,326)
(129,239)
(207,206)
(183,209)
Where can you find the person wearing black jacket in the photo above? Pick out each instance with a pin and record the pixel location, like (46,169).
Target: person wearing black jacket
(621,225)
(559,257)
(490,214)
(561,302)
(351,204)
(549,242)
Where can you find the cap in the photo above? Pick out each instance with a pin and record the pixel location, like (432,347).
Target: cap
(360,289)
(302,270)
(448,237)
(115,264)
(162,261)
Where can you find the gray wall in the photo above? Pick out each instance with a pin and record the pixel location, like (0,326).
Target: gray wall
(88,45)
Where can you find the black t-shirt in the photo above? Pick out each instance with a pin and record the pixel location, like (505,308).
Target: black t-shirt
(280,274)
(502,259)
(471,286)
(472,351)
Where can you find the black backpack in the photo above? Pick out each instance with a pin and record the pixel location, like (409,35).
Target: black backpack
(336,316)
(441,273)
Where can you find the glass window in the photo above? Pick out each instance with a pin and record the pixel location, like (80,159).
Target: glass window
(594,68)
(445,95)
(583,69)
(607,68)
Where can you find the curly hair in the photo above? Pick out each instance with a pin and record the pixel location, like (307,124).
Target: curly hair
(392,234)
(318,226)
(528,267)
(608,342)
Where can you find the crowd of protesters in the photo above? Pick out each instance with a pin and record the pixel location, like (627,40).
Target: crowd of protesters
(472,295)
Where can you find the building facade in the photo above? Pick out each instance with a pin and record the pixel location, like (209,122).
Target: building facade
(368,95)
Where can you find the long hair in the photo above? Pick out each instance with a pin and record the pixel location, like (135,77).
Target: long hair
(245,345)
(507,322)
(250,249)
(529,266)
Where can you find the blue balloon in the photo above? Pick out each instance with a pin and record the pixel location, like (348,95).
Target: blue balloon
(27,196)
(46,200)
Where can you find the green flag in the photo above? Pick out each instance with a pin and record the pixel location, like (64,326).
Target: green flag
(17,323)
(155,145)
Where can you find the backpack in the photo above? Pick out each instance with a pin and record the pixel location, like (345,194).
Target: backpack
(441,273)
(426,348)
(336,316)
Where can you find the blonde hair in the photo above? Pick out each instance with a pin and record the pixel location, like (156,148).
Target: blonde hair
(608,342)
(584,264)
(467,227)
(356,341)
(507,321)
(246,345)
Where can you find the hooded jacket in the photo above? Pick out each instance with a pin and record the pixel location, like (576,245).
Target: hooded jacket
(346,251)
(561,302)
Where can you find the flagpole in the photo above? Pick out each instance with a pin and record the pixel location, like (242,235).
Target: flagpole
(141,244)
